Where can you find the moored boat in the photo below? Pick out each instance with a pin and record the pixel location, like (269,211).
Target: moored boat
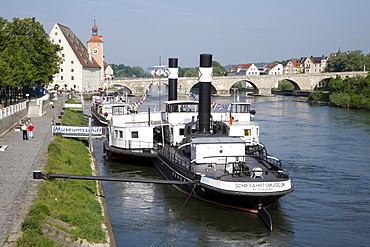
(101,107)
(130,133)
(231,169)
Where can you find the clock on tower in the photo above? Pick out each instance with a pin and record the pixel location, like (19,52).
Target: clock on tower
(95,51)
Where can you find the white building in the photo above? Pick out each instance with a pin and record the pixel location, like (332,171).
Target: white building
(273,69)
(79,71)
(243,69)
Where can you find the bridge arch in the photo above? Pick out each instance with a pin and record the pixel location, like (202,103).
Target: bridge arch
(295,84)
(123,88)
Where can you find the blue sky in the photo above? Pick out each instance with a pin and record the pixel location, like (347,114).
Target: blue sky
(137,32)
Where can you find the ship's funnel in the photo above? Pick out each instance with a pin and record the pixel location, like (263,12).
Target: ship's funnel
(205,80)
(173,68)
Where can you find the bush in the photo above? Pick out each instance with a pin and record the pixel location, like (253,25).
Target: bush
(359,101)
(340,99)
(319,96)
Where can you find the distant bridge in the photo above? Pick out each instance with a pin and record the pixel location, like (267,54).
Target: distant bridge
(262,84)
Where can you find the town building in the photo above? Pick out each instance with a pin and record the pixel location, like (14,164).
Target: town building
(243,69)
(313,64)
(273,69)
(293,67)
(82,69)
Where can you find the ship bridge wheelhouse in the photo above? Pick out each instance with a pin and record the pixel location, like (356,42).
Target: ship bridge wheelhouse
(118,110)
(240,108)
(181,106)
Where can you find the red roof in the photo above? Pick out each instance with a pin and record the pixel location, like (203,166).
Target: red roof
(96,38)
(240,67)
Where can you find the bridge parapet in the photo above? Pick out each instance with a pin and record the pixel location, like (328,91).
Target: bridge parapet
(262,84)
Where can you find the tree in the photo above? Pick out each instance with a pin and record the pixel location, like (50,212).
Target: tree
(188,72)
(218,69)
(353,61)
(122,70)
(27,57)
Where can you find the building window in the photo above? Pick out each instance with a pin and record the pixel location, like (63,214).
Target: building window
(56,33)
(134,134)
(61,78)
(62,54)
(247,132)
(60,41)
(71,62)
(72,70)
(121,134)
(72,78)
(61,70)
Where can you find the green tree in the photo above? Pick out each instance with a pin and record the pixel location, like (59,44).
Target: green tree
(338,85)
(353,61)
(122,70)
(218,69)
(188,72)
(27,57)
(285,85)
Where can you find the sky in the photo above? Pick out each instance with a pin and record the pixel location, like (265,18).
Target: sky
(140,32)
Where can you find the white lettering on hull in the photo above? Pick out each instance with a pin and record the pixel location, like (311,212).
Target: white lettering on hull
(248,186)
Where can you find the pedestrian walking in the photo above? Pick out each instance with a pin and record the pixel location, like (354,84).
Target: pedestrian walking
(30,130)
(24,130)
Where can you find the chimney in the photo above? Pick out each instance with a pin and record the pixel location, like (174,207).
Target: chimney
(173,68)
(205,80)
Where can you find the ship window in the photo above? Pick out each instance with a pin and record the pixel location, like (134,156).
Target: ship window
(247,132)
(134,134)
(182,131)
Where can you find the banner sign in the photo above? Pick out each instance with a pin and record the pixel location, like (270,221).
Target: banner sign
(77,130)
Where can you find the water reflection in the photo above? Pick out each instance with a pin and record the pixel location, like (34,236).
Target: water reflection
(325,150)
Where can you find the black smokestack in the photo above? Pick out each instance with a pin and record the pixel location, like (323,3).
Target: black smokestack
(205,80)
(172,78)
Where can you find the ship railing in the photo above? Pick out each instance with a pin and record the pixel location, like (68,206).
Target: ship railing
(260,152)
(138,145)
(174,158)
(271,160)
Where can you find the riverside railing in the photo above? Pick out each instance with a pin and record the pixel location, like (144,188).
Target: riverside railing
(12,109)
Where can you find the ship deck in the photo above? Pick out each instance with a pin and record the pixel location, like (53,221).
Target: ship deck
(239,172)
(234,171)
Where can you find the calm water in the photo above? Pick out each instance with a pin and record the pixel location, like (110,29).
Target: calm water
(326,151)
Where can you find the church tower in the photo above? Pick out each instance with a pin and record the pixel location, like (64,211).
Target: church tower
(95,48)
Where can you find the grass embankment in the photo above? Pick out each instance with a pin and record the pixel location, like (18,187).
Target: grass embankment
(73,117)
(71,201)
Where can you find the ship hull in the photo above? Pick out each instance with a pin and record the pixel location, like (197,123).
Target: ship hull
(232,199)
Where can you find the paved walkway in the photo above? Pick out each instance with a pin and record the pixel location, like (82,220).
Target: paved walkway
(17,188)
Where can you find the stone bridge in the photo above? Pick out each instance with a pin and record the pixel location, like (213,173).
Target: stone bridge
(262,84)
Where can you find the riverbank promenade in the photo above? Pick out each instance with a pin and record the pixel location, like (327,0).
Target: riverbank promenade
(17,161)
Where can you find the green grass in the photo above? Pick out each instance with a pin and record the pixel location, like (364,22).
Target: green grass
(73,201)
(75,117)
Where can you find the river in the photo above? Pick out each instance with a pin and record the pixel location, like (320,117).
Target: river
(325,149)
